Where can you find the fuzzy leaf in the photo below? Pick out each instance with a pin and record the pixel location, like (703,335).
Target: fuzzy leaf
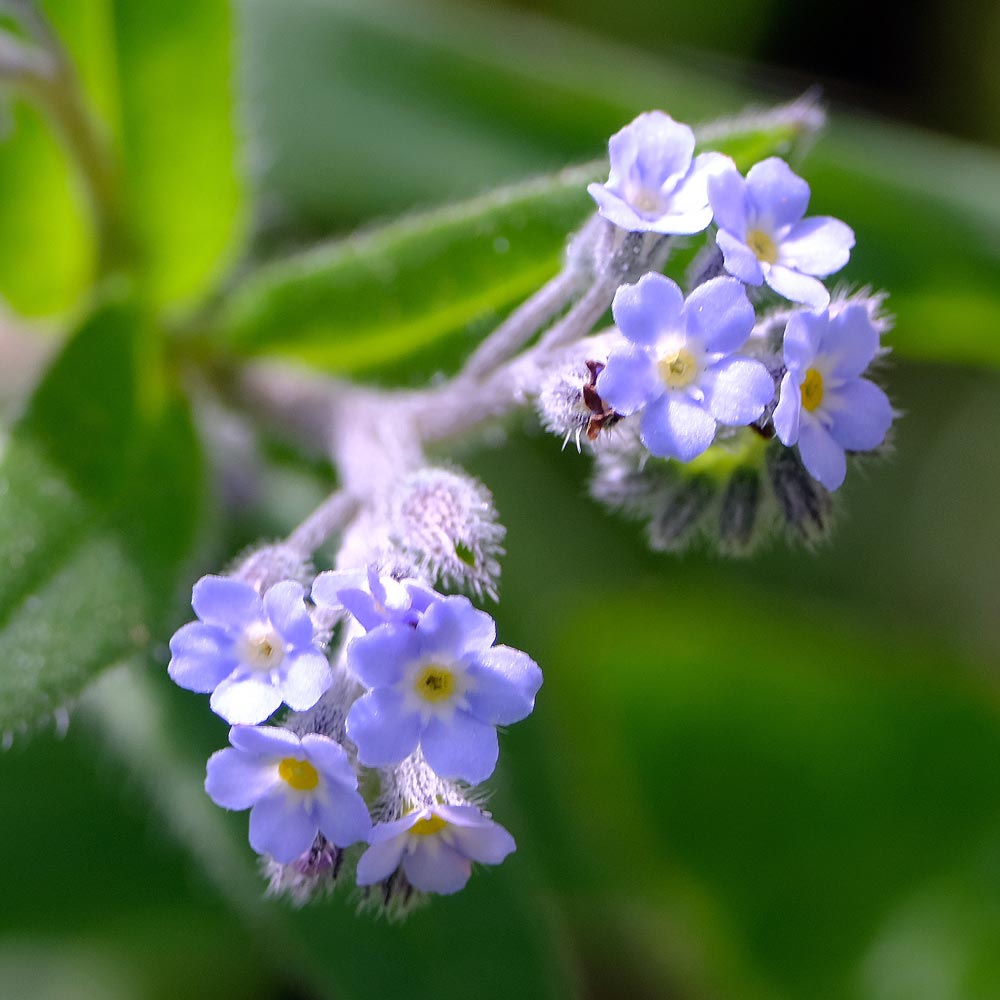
(422,102)
(100,490)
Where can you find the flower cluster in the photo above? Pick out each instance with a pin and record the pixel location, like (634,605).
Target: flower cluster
(408,702)
(716,409)
(704,389)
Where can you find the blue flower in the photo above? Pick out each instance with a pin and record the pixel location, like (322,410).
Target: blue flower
(294,789)
(251,654)
(435,846)
(681,369)
(764,237)
(824,405)
(654,186)
(373,600)
(440,684)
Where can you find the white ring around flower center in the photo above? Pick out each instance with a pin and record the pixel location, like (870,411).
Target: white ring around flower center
(261,648)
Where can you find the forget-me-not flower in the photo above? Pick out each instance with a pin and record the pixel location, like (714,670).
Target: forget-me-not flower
(824,405)
(294,789)
(251,653)
(435,846)
(654,185)
(440,684)
(764,237)
(373,599)
(681,368)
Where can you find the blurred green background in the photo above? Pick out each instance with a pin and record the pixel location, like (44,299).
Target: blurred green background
(765,780)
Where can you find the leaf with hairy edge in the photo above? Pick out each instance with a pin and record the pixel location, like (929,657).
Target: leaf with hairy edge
(424,102)
(413,294)
(100,488)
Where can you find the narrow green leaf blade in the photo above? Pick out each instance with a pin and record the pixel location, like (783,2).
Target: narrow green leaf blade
(428,102)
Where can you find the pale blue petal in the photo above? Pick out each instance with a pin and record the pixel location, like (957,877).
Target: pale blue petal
(384,832)
(617,210)
(778,195)
(452,626)
(488,844)
(247,701)
(307,678)
(788,411)
(504,683)
(823,458)
(330,759)
(647,310)
(719,314)
(383,732)
(804,335)
(629,381)
(739,259)
(462,748)
(381,859)
(737,390)
(433,866)
(266,741)
(236,780)
(202,657)
(819,245)
(379,657)
(362,605)
(674,426)
(663,150)
(280,825)
(797,287)
(228,603)
(686,223)
(623,149)
(690,196)
(862,415)
(326,586)
(851,342)
(344,819)
(285,607)
(727,194)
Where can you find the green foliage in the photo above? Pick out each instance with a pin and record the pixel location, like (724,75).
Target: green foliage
(100,490)
(456,101)
(410,290)
(158,76)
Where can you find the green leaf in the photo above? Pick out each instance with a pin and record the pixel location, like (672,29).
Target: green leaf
(393,293)
(46,243)
(408,299)
(422,102)
(100,488)
(158,77)
(178,130)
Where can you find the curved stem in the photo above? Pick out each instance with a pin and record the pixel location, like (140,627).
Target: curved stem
(44,72)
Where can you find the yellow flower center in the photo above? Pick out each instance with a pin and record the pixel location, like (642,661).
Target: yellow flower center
(812,390)
(762,245)
(428,825)
(300,774)
(678,370)
(435,683)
